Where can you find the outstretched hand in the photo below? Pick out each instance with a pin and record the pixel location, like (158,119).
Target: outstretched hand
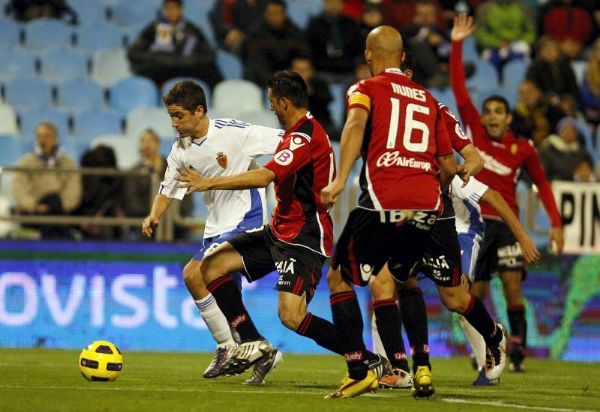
(463,27)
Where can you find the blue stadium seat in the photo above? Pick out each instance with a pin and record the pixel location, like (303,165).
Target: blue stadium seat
(232,97)
(31,118)
(10,34)
(130,13)
(109,66)
(127,94)
(299,14)
(92,123)
(131,32)
(99,37)
(338,104)
(8,121)
(155,118)
(514,72)
(11,150)
(125,148)
(27,92)
(17,62)
(43,33)
(197,13)
(230,65)
(261,117)
(484,78)
(470,53)
(168,85)
(61,63)
(446,97)
(80,94)
(89,12)
(73,147)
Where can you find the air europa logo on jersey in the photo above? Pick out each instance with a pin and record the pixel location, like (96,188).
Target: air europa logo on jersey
(389,159)
(222,160)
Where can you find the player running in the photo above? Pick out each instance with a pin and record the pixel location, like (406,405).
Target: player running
(215,147)
(397,127)
(505,155)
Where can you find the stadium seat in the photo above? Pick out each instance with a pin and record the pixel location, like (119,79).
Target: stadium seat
(80,94)
(299,14)
(155,118)
(126,148)
(237,96)
(10,34)
(17,62)
(484,78)
(260,117)
(470,53)
(8,121)
(43,33)
(73,147)
(93,123)
(109,66)
(197,13)
(27,91)
(131,13)
(230,65)
(579,67)
(446,97)
(99,37)
(61,63)
(168,85)
(338,104)
(11,150)
(514,72)
(131,32)
(30,119)
(135,91)
(89,12)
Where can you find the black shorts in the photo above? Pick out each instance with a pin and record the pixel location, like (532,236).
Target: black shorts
(441,258)
(500,252)
(370,238)
(299,268)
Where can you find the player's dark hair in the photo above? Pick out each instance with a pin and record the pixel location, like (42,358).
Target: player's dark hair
(497,98)
(290,85)
(179,2)
(281,3)
(187,94)
(409,62)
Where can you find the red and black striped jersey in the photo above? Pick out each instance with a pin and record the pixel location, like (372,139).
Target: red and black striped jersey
(404,134)
(303,164)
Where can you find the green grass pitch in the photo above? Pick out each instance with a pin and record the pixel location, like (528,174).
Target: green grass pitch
(49,380)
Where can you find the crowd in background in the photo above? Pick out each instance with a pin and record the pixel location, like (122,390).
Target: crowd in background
(551,108)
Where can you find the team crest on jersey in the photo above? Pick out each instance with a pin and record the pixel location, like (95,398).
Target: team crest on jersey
(222,160)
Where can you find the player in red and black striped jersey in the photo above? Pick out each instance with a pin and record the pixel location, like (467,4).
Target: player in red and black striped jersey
(297,241)
(396,126)
(505,155)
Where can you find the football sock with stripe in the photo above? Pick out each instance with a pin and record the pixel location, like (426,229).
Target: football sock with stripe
(215,320)
(518,324)
(321,331)
(478,316)
(414,318)
(389,326)
(229,299)
(349,327)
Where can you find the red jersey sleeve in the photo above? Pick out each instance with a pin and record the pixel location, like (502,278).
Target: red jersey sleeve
(292,154)
(458,138)
(538,176)
(358,96)
(442,138)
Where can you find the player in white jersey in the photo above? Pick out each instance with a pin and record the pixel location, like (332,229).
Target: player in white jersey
(214,147)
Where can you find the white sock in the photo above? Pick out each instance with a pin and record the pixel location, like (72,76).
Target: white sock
(377,344)
(475,340)
(215,320)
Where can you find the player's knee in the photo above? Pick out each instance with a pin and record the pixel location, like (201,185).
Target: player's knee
(382,289)
(455,300)
(209,269)
(336,283)
(289,317)
(191,271)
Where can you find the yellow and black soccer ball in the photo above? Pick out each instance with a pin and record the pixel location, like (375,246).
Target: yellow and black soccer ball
(101,360)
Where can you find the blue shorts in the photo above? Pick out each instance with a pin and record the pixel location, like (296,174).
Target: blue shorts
(469,249)
(210,243)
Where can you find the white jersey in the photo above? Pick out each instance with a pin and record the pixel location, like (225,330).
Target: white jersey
(465,201)
(230,147)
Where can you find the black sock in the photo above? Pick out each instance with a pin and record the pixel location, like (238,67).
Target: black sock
(389,326)
(321,331)
(414,318)
(349,328)
(478,316)
(229,299)
(518,325)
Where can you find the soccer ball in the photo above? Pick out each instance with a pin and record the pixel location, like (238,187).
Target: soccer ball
(101,360)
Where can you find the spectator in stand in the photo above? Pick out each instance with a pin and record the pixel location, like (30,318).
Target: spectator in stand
(139,191)
(319,95)
(568,21)
(272,43)
(505,31)
(48,192)
(171,46)
(590,89)
(27,10)
(428,44)
(561,152)
(334,39)
(552,72)
(231,20)
(584,171)
(533,118)
(370,18)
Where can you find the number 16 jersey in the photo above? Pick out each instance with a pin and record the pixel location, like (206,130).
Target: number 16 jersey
(405,132)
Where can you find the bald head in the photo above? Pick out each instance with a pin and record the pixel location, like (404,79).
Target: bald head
(384,49)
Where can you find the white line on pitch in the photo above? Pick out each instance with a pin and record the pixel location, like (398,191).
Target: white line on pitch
(513,405)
